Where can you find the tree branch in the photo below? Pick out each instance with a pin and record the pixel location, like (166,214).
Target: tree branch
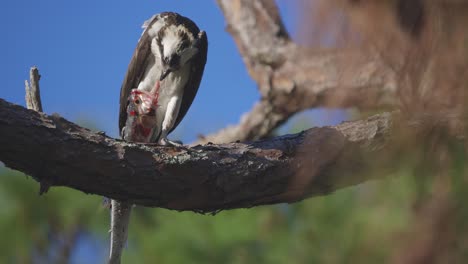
(292,78)
(33,94)
(201,178)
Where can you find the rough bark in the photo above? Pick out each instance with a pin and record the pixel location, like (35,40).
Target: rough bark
(205,178)
(292,78)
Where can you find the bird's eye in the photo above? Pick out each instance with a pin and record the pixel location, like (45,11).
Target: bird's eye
(137,101)
(174,61)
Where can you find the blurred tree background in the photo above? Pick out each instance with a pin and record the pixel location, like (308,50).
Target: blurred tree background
(417,214)
(360,224)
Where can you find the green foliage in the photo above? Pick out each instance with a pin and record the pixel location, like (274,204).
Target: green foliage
(30,223)
(328,229)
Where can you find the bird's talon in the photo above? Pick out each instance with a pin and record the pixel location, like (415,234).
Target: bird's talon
(167,142)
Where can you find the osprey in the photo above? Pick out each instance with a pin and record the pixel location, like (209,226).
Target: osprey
(161,82)
(172,50)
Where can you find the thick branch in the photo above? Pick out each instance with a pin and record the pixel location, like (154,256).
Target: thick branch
(202,178)
(291,78)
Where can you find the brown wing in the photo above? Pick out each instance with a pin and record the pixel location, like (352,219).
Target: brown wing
(136,69)
(191,88)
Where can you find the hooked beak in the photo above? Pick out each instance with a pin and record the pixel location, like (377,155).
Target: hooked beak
(165,73)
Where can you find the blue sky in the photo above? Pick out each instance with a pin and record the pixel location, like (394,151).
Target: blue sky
(83,48)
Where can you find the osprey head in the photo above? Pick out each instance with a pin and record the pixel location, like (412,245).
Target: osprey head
(176,46)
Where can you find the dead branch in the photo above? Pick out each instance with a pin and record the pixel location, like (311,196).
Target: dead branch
(292,78)
(33,94)
(204,178)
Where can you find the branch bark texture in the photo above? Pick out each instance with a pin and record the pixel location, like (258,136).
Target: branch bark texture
(205,178)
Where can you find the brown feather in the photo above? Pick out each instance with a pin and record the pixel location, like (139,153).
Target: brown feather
(136,69)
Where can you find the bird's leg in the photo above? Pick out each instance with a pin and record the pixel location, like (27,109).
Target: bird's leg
(171,114)
(166,142)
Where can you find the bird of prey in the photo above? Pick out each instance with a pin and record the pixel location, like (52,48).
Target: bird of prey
(172,50)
